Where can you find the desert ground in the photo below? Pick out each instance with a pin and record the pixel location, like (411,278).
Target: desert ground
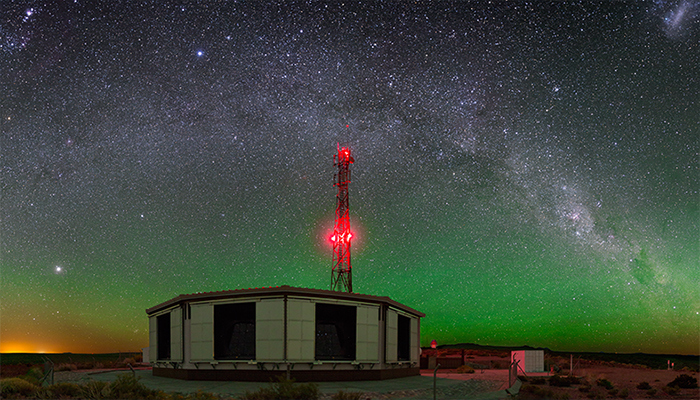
(624,382)
(594,379)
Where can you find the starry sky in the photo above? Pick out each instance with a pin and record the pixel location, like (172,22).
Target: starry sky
(526,173)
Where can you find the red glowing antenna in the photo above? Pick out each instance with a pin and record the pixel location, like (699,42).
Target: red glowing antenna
(341,276)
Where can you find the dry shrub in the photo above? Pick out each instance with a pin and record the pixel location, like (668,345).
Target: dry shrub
(200,395)
(465,369)
(643,386)
(530,392)
(16,387)
(64,390)
(85,365)
(671,390)
(34,375)
(684,381)
(563,381)
(66,367)
(347,395)
(284,389)
(539,380)
(604,383)
(593,394)
(128,386)
(96,390)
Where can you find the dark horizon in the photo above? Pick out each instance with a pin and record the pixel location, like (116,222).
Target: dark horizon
(443,347)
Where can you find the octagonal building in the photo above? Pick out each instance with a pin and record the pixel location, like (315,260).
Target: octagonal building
(307,334)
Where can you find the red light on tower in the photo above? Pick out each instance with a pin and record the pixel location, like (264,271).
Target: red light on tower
(341,276)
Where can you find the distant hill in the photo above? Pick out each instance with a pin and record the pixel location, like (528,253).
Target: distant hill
(472,346)
(655,361)
(63,358)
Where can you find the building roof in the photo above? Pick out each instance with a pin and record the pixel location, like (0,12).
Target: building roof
(279,291)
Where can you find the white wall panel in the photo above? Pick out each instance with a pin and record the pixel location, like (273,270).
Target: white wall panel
(301,330)
(415,341)
(176,335)
(269,330)
(367,348)
(202,332)
(152,339)
(392,337)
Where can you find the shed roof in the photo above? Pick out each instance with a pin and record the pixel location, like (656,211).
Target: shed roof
(281,290)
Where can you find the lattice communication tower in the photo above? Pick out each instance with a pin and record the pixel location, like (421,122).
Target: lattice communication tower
(341,276)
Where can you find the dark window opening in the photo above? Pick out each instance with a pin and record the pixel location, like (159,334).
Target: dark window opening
(163,331)
(404,339)
(234,331)
(335,332)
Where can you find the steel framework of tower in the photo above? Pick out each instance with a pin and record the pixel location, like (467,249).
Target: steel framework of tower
(341,276)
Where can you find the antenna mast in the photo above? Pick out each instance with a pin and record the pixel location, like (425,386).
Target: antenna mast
(341,276)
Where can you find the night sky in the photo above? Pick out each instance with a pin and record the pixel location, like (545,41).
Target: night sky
(525,174)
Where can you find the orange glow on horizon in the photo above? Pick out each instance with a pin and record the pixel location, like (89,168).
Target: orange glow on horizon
(18,347)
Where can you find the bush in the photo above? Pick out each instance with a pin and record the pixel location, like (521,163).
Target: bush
(585,389)
(465,369)
(347,395)
(284,389)
(64,390)
(538,381)
(623,394)
(563,381)
(684,381)
(558,381)
(535,392)
(34,375)
(66,367)
(651,392)
(595,395)
(671,390)
(129,361)
(127,386)
(13,387)
(96,390)
(604,383)
(644,386)
(200,395)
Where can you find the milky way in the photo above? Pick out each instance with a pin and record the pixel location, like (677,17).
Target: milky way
(525,174)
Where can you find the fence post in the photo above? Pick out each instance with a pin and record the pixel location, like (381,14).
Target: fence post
(435,381)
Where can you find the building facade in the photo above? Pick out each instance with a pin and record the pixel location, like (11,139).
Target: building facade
(305,334)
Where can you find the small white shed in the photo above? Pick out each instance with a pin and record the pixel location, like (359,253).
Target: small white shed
(529,360)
